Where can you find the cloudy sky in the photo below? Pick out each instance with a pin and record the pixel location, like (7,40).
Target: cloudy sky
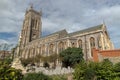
(71,15)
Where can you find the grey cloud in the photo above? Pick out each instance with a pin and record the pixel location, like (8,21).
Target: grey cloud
(72,15)
(3,41)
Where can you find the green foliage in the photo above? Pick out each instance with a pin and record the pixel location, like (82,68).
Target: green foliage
(80,71)
(117,67)
(53,58)
(41,76)
(117,78)
(6,60)
(25,62)
(36,76)
(59,77)
(31,61)
(117,70)
(37,58)
(9,73)
(45,58)
(71,56)
(104,70)
(13,52)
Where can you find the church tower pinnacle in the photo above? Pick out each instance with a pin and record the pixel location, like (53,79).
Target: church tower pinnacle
(32,25)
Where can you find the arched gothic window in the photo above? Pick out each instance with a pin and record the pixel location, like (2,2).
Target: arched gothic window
(92,44)
(43,49)
(34,24)
(80,43)
(28,53)
(73,44)
(61,46)
(99,42)
(51,49)
(39,50)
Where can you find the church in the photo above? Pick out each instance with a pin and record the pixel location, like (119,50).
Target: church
(31,42)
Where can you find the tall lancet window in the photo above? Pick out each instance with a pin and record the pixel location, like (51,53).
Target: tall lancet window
(43,49)
(39,50)
(32,23)
(80,43)
(92,44)
(61,46)
(99,42)
(51,49)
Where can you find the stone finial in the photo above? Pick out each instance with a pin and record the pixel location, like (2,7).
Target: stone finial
(31,6)
(40,12)
(103,22)
(104,25)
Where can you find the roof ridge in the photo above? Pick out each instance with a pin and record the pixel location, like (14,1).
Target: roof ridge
(57,32)
(87,29)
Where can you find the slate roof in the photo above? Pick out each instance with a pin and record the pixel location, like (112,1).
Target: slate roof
(98,27)
(61,33)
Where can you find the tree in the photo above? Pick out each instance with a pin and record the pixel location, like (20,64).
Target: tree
(71,56)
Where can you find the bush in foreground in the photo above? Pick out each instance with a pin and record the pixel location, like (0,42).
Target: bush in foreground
(36,76)
(104,70)
(59,77)
(9,73)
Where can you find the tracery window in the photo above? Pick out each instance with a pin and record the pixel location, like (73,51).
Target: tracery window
(43,49)
(80,43)
(28,53)
(51,49)
(99,42)
(73,44)
(39,50)
(61,46)
(92,44)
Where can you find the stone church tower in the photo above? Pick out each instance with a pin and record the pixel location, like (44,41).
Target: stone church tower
(31,29)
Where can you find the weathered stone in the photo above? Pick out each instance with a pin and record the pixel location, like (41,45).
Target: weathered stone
(17,65)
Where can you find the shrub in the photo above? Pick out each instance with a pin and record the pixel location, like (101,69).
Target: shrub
(104,70)
(9,73)
(59,77)
(36,76)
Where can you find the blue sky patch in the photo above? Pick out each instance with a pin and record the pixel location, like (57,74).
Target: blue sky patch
(4,35)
